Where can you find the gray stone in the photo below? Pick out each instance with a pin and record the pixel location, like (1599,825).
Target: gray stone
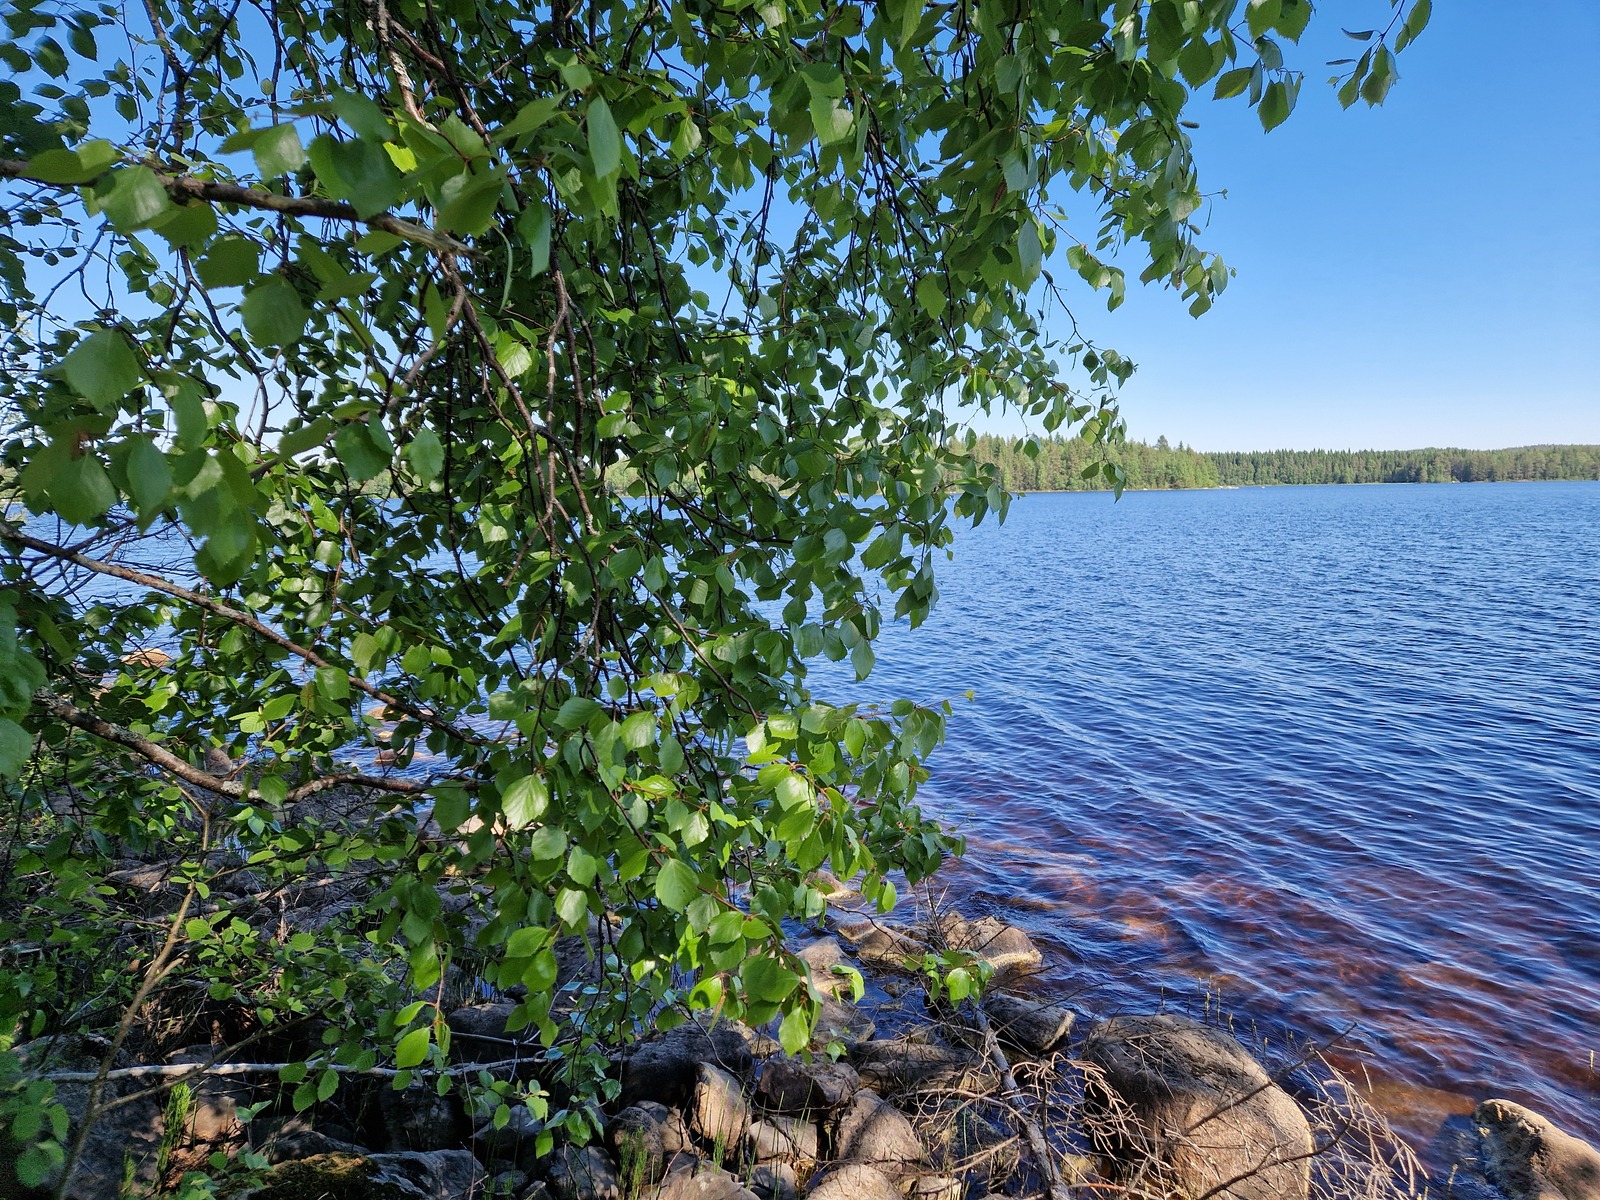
(418,1118)
(874,1132)
(1028,1026)
(481,1029)
(718,1112)
(823,957)
(884,945)
(788,1085)
(1529,1158)
(665,1069)
(434,1174)
(346,1176)
(780,1138)
(898,1065)
(971,1139)
(584,1174)
(853,1181)
(1004,947)
(214,1100)
(1204,1112)
(125,1138)
(509,1183)
(517,1141)
(701,1181)
(774,1181)
(936,1187)
(841,1022)
(644,1136)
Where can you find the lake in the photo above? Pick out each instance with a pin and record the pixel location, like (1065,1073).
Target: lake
(1329,754)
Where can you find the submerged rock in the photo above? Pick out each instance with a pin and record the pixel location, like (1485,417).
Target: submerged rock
(1028,1026)
(1004,947)
(1189,1101)
(1529,1158)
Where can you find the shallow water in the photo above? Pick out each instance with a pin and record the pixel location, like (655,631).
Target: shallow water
(1331,754)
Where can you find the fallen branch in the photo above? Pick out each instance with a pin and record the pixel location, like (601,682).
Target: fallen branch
(1017,1100)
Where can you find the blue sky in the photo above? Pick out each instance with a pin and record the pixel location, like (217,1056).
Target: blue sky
(1424,273)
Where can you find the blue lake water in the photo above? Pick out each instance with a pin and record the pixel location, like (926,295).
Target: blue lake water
(1329,753)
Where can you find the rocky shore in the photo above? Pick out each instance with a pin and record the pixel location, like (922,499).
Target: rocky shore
(903,1095)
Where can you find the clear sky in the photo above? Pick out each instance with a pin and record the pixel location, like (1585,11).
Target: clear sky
(1426,273)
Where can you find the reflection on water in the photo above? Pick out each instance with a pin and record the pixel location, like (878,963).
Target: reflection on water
(1333,752)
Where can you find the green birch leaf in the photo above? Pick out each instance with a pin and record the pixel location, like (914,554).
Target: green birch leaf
(413,1047)
(425,453)
(273,314)
(135,199)
(102,369)
(605,143)
(278,151)
(15,747)
(230,261)
(676,885)
(525,801)
(149,476)
(831,118)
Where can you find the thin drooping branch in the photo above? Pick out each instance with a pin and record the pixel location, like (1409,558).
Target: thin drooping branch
(184,188)
(183,1071)
(65,710)
(10,533)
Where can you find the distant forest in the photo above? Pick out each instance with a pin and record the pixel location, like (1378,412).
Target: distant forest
(1060,462)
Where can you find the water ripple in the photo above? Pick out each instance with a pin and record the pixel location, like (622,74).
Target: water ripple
(1333,751)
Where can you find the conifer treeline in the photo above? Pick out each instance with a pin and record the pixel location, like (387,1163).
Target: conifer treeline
(1060,462)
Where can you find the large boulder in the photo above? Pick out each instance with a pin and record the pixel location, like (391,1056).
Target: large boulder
(718,1112)
(1004,947)
(418,1118)
(854,1181)
(1027,1026)
(584,1174)
(788,1085)
(896,1066)
(666,1068)
(1528,1158)
(214,1100)
(783,1139)
(701,1181)
(1191,1107)
(644,1137)
(439,1175)
(878,1134)
(124,1142)
(516,1143)
(883,945)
